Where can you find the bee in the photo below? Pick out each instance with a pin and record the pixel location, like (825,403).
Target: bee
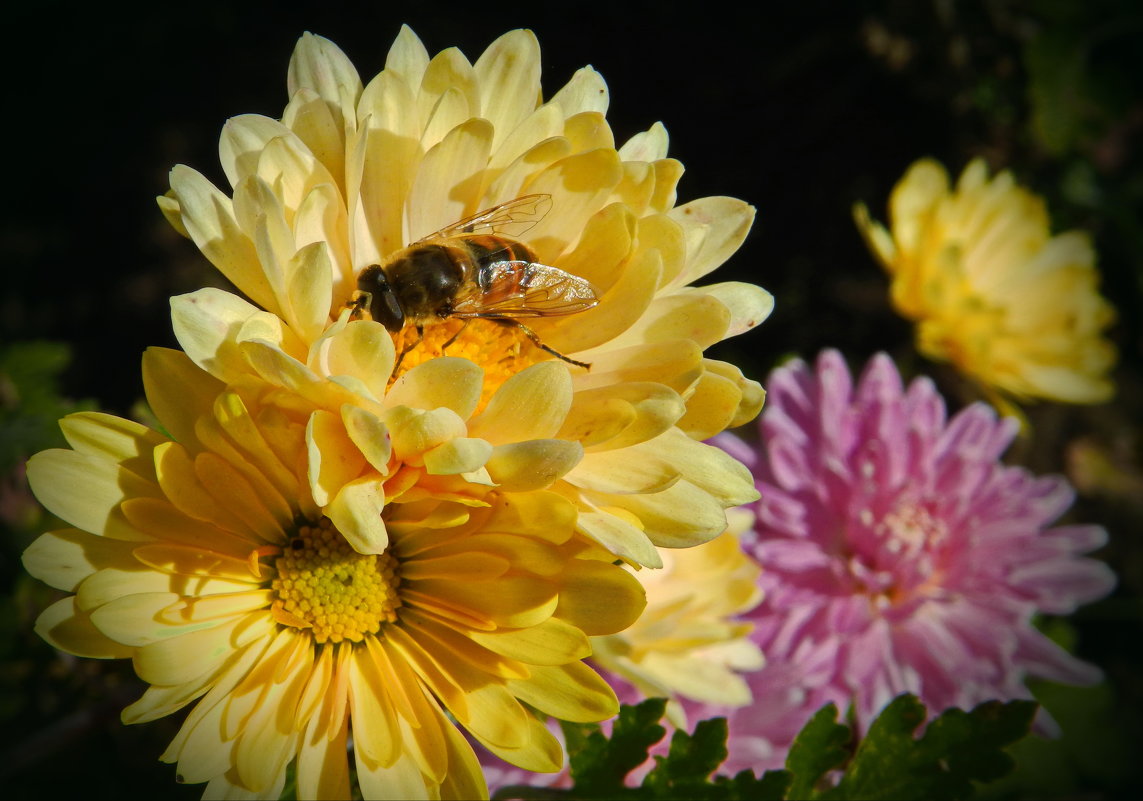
(473,269)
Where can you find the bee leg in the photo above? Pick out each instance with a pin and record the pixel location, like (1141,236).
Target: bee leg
(452,339)
(532,335)
(409,347)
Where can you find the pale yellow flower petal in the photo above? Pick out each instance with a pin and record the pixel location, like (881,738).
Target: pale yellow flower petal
(70,629)
(532,465)
(446,382)
(356,511)
(716,227)
(572,692)
(530,405)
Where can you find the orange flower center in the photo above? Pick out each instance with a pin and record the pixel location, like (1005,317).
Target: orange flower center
(501,349)
(326,586)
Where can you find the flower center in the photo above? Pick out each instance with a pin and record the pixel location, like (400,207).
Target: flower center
(501,349)
(326,586)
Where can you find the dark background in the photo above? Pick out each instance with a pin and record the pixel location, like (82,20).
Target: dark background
(800,110)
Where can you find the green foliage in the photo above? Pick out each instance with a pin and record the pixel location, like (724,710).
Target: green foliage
(956,750)
(30,402)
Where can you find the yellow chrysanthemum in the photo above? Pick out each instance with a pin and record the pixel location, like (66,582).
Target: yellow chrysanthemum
(205,559)
(688,643)
(991,290)
(356,172)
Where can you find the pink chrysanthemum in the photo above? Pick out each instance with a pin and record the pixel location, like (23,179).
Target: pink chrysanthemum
(899,555)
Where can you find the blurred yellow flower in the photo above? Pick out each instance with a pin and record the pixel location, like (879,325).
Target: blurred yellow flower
(688,644)
(205,559)
(991,290)
(354,172)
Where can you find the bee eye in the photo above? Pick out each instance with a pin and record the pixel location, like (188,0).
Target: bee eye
(383,304)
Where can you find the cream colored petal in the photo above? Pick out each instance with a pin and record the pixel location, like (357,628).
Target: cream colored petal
(356,512)
(925,184)
(62,559)
(876,236)
(708,468)
(552,642)
(385,161)
(414,431)
(449,180)
(588,130)
(716,227)
(508,73)
(450,111)
(323,767)
(177,391)
(599,597)
(319,64)
(590,332)
(132,619)
(532,404)
(369,435)
(232,487)
(86,491)
(621,414)
(572,692)
(513,180)
(71,630)
(208,216)
(607,242)
(539,125)
(362,350)
(711,407)
(322,217)
(532,465)
(245,444)
(648,145)
(185,560)
(695,316)
(334,460)
(309,290)
(579,185)
(667,175)
(586,91)
(184,658)
(446,382)
(400,780)
(659,232)
(749,305)
(625,470)
(709,402)
(678,517)
(460,455)
(206,323)
(408,57)
(187,498)
(172,212)
(677,365)
(124,441)
(242,141)
(321,128)
(620,537)
(261,213)
(447,96)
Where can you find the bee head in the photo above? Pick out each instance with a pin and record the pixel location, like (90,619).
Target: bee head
(383,304)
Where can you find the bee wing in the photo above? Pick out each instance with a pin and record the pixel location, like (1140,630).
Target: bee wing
(508,219)
(514,289)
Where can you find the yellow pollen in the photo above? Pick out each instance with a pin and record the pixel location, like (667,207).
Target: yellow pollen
(326,586)
(501,349)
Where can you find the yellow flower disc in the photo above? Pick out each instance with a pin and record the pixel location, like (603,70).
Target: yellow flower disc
(502,350)
(326,586)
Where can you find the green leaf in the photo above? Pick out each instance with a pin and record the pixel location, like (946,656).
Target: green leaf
(820,746)
(599,766)
(956,749)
